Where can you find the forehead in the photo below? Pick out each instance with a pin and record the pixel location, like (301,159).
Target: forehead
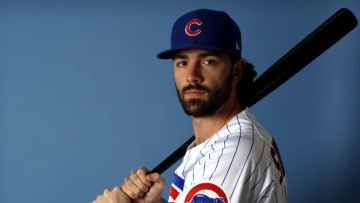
(199,53)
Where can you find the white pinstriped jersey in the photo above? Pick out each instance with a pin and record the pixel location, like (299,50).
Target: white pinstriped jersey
(240,163)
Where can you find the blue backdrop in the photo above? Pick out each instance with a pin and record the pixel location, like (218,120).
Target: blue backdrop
(84,100)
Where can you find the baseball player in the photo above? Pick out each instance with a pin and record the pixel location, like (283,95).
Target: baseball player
(233,158)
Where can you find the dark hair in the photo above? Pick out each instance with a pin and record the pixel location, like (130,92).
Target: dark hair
(244,88)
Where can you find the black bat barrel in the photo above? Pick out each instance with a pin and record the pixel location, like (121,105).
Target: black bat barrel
(327,34)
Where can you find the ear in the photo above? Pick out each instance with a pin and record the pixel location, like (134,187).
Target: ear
(238,70)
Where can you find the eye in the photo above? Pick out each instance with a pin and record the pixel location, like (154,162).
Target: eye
(210,62)
(180,63)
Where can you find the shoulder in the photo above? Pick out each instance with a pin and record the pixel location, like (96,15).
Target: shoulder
(238,159)
(243,135)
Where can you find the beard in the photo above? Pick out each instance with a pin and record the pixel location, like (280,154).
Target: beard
(217,96)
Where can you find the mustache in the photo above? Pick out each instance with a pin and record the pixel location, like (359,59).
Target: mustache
(195,87)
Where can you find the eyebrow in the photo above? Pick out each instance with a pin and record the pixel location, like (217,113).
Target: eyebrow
(206,54)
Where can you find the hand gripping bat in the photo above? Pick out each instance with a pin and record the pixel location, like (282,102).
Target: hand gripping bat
(327,34)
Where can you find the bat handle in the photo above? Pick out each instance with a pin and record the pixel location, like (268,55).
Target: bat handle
(172,158)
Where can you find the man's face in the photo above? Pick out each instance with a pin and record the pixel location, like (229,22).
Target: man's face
(203,80)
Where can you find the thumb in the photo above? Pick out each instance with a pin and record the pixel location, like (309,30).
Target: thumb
(156,179)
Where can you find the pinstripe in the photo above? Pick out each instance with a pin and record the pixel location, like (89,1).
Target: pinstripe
(222,152)
(204,168)
(253,140)
(227,127)
(201,153)
(263,174)
(188,159)
(193,172)
(207,143)
(282,191)
(257,164)
(261,195)
(237,146)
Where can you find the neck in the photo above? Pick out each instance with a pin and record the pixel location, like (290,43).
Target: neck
(205,127)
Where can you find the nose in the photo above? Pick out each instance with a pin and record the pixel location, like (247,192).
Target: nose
(194,73)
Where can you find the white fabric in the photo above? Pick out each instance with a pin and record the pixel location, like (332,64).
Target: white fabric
(238,160)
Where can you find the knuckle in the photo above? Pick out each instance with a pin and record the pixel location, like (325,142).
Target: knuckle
(123,188)
(144,188)
(133,176)
(128,192)
(132,195)
(117,188)
(142,170)
(139,193)
(128,181)
(126,189)
(127,184)
(98,197)
(156,176)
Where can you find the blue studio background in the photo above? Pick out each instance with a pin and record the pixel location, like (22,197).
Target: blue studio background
(84,100)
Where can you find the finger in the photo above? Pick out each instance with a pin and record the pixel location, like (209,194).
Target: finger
(116,188)
(132,187)
(98,199)
(106,192)
(157,180)
(128,192)
(138,182)
(142,172)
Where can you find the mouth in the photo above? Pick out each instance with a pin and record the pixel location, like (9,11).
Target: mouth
(194,93)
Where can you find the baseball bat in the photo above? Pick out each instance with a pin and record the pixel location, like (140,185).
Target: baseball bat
(322,38)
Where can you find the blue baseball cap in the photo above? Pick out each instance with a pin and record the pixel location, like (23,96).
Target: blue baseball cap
(205,29)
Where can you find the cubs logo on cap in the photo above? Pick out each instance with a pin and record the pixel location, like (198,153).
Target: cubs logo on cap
(188,29)
(204,29)
(206,192)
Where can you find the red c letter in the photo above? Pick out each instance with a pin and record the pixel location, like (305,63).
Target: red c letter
(187,27)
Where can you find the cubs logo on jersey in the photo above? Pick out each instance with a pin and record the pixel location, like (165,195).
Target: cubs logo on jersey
(206,193)
(200,198)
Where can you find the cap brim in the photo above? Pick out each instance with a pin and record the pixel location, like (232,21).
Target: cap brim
(167,54)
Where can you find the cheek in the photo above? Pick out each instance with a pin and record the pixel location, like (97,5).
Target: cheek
(178,78)
(215,78)
(221,80)
(177,84)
